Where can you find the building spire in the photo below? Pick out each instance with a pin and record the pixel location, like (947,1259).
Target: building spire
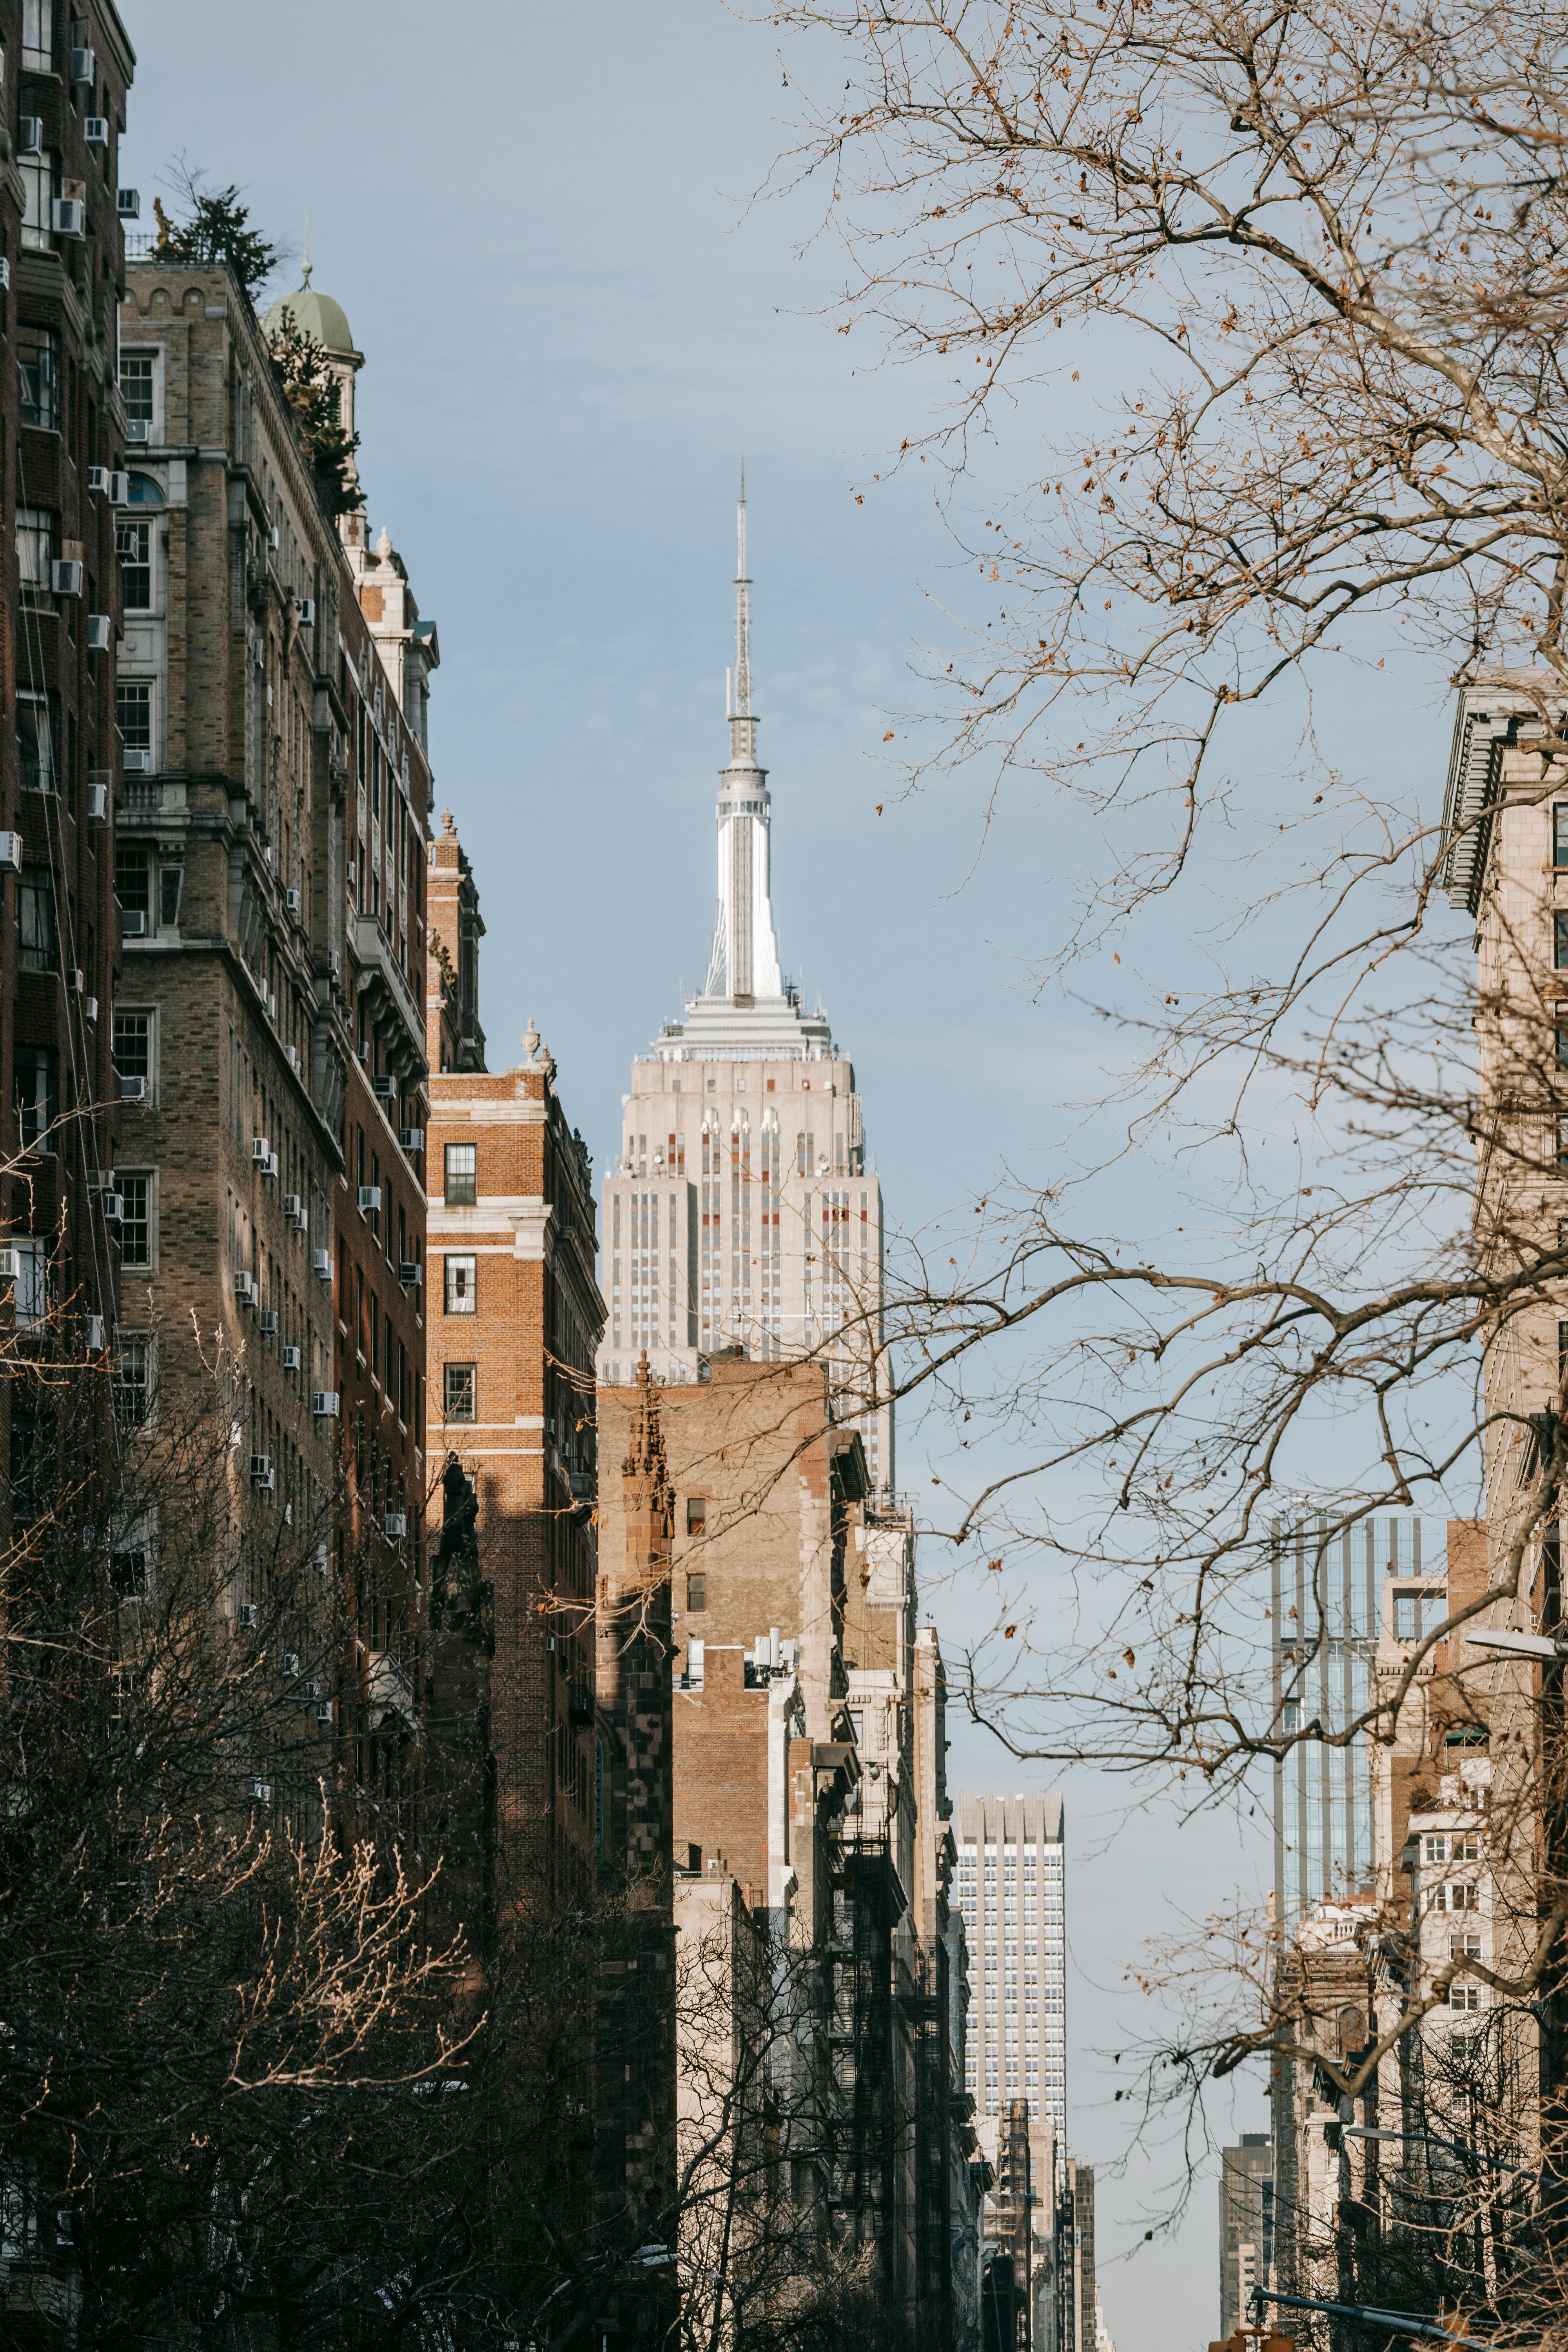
(305,271)
(742,721)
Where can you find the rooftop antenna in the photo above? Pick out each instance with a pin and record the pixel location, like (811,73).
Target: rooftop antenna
(738,689)
(305,271)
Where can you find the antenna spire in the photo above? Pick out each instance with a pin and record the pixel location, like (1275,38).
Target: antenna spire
(742,720)
(305,272)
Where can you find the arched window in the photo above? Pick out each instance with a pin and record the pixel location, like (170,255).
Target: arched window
(144,491)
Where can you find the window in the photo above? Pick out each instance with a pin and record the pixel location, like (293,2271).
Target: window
(460,1386)
(1467,1847)
(1560,941)
(30,1291)
(133,877)
(33,1094)
(1559,833)
(169,880)
(142,490)
(133,1380)
(696,1514)
(38,34)
(697,1592)
(136,390)
(35,549)
(460,1299)
(1467,1946)
(1461,1896)
(36,743)
(133,712)
(134,1047)
(37,949)
(1464,1996)
(133,546)
(37,356)
(462,1176)
(128,1571)
(136,1222)
(1406,1617)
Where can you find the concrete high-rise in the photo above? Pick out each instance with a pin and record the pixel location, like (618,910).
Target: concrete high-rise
(1011,1890)
(739,1212)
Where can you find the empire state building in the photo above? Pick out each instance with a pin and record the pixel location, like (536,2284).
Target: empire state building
(738,1211)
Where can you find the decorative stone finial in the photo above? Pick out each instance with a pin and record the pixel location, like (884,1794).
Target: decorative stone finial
(383,545)
(531,1042)
(447,826)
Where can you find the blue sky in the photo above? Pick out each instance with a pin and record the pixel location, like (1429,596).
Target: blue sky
(573,327)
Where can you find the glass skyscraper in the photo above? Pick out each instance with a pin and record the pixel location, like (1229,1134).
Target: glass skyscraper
(1327,1612)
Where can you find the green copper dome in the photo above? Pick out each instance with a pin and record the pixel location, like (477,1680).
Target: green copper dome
(317,316)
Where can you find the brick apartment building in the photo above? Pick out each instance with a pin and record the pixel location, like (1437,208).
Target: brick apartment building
(60,236)
(270,866)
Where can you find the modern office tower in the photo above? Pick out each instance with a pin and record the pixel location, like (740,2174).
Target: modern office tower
(739,1211)
(1246,2226)
(1011,1872)
(1327,1612)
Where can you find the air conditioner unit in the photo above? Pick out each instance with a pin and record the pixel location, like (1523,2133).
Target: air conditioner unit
(265,1482)
(139,428)
(260,1791)
(291,1205)
(114,1208)
(95,130)
(4,275)
(75,981)
(409,1273)
(133,922)
(248,1613)
(310,1690)
(64,577)
(97,803)
(84,66)
(412,1139)
(271,1006)
(324,1404)
(245,1289)
(364,1049)
(68,216)
(321,1556)
(10,1265)
(397,1525)
(98,480)
(306,608)
(136,763)
(101,1179)
(323,1262)
(133,1089)
(89,1008)
(128,203)
(95,1338)
(384,1088)
(30,135)
(99,632)
(369,1197)
(269,1324)
(290,1662)
(118,489)
(274,537)
(353,873)
(290,1360)
(11,852)
(324,1711)
(291,900)
(261,1150)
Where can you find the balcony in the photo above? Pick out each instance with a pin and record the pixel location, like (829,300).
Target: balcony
(379,968)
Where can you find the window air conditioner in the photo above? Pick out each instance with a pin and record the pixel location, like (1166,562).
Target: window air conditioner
(30,135)
(245,1289)
(271,1006)
(68,216)
(99,632)
(101,1179)
(248,1613)
(137,763)
(10,1265)
(114,1208)
(128,203)
(291,1205)
(133,1089)
(321,1555)
(412,1139)
(64,577)
(260,1792)
(269,1325)
(95,130)
(334,962)
(369,1197)
(310,1690)
(291,900)
(11,852)
(384,1088)
(95,1339)
(264,1482)
(97,803)
(324,1711)
(84,66)
(133,922)
(118,489)
(290,1360)
(324,1404)
(306,608)
(89,1008)
(293,1054)
(98,480)
(261,1150)
(4,275)
(270,1171)
(139,428)
(364,1049)
(75,981)
(353,874)
(290,1662)
(323,1262)
(396,1526)
(408,1273)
